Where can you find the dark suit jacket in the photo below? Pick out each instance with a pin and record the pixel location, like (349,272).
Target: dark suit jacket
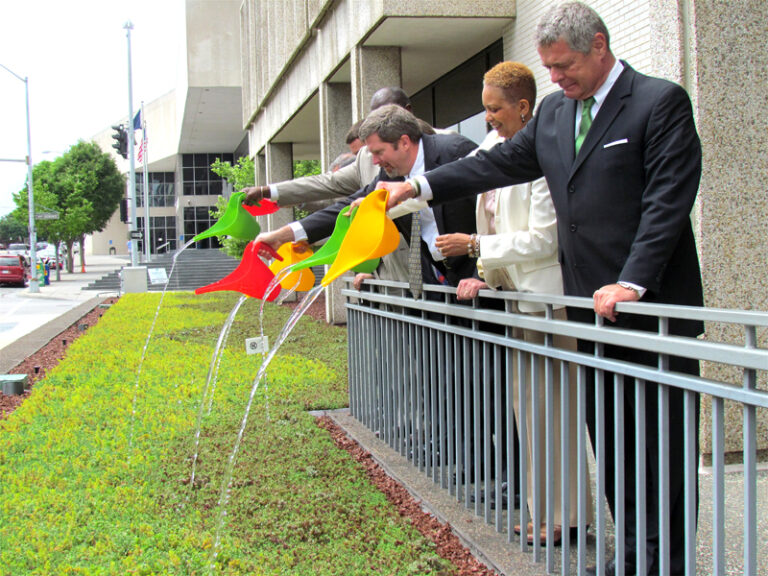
(451,217)
(623,205)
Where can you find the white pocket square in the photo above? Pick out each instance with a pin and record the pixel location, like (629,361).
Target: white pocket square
(616,142)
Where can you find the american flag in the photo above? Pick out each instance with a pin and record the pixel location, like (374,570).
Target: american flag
(142,149)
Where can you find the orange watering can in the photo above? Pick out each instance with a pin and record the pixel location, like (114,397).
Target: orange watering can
(302,279)
(251,277)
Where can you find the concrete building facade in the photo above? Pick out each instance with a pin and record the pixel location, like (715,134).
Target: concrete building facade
(187,128)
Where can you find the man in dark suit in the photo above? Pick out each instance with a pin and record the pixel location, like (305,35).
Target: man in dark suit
(394,138)
(622,160)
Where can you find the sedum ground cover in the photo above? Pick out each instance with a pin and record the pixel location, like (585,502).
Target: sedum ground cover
(95,469)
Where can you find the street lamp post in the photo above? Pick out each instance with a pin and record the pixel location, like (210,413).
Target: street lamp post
(131,159)
(33,283)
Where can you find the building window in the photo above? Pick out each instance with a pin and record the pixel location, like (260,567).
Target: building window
(162,231)
(198,219)
(197,177)
(453,100)
(161,189)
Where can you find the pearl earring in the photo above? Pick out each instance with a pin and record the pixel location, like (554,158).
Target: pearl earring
(522,118)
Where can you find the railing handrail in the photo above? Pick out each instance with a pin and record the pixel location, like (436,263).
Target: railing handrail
(708,350)
(756,318)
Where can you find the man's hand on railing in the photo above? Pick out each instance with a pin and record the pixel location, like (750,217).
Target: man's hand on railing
(469,287)
(605,299)
(360,278)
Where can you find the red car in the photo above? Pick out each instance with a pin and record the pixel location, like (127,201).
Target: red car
(12,270)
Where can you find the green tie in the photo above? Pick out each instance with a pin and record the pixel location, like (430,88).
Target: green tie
(586,122)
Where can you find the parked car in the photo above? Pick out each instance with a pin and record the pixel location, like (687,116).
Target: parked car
(48,254)
(12,270)
(18,249)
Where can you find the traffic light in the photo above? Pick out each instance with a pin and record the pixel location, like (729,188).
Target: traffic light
(124,210)
(121,140)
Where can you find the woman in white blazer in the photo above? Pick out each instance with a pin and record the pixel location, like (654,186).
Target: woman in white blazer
(516,246)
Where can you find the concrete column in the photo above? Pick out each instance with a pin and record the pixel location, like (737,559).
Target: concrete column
(279,167)
(731,211)
(260,179)
(335,120)
(372,68)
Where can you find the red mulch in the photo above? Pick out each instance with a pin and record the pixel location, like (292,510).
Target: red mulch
(448,545)
(316,309)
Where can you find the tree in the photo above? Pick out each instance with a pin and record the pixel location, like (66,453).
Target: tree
(12,229)
(84,186)
(241,175)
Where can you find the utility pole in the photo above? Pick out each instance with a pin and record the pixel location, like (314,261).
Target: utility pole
(132,172)
(34,287)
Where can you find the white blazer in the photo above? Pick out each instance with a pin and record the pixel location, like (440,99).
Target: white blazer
(522,254)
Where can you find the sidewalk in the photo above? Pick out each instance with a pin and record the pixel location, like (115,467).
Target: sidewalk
(29,321)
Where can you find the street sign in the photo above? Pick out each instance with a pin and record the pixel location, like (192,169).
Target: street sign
(136,235)
(46,216)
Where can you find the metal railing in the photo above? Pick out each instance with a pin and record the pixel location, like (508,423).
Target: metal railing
(433,379)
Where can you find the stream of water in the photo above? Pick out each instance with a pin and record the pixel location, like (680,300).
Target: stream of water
(146,342)
(226,485)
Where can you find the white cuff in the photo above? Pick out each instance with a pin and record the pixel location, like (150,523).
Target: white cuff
(406,207)
(426,190)
(273,194)
(640,290)
(299,233)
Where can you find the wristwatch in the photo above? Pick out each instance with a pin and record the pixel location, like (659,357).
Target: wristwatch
(629,286)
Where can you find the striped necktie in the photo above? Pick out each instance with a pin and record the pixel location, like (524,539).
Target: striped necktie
(586,122)
(415,279)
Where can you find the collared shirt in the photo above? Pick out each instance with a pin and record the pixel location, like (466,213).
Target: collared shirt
(429,232)
(600,95)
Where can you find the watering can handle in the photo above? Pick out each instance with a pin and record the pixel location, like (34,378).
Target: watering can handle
(261,245)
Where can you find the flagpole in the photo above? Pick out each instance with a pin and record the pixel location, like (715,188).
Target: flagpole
(144,161)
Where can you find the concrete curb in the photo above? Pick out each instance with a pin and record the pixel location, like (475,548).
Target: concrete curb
(18,351)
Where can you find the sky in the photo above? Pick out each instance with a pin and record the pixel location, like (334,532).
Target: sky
(75,55)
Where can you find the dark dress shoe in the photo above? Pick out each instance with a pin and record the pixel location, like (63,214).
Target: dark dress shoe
(610,569)
(504,498)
